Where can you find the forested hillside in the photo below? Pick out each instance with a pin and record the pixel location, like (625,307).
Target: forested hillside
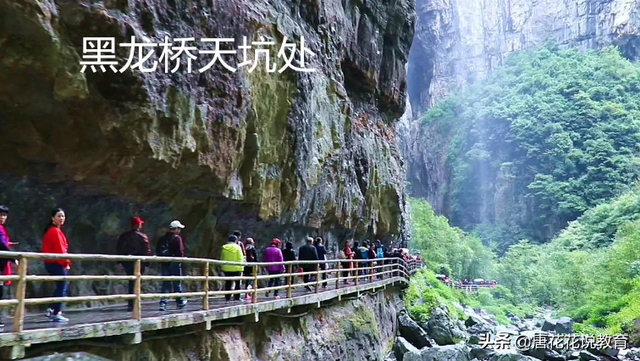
(545,137)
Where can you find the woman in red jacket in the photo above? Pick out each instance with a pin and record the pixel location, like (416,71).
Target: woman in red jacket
(54,241)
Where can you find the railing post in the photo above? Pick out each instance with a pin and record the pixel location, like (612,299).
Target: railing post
(205,286)
(357,271)
(371,271)
(338,275)
(254,299)
(137,286)
(289,279)
(317,277)
(21,288)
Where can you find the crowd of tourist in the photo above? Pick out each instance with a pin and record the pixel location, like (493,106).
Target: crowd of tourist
(136,243)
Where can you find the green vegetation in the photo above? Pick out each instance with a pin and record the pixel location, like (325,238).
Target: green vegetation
(544,162)
(545,137)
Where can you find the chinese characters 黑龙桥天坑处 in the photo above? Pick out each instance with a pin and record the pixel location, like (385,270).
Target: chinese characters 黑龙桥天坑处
(100,53)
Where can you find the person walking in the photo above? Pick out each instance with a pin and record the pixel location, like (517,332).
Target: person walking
(232,252)
(347,254)
(5,244)
(273,254)
(289,255)
(55,241)
(308,253)
(133,243)
(322,256)
(171,245)
(251,257)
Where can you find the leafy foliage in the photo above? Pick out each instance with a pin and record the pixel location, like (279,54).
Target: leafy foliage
(543,138)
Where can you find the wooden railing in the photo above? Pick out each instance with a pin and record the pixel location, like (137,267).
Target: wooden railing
(336,271)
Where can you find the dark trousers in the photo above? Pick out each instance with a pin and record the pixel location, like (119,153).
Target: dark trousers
(274,282)
(323,267)
(229,283)
(171,269)
(308,278)
(347,270)
(128,269)
(55,269)
(248,272)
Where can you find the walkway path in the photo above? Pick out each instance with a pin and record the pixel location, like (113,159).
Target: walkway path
(32,328)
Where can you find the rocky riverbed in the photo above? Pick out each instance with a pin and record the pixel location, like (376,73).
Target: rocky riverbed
(477,335)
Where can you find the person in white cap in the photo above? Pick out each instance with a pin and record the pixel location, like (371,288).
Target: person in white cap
(171,245)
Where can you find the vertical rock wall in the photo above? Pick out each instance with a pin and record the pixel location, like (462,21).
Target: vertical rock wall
(458,41)
(274,154)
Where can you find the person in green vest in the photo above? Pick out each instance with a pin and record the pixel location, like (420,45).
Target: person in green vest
(231,252)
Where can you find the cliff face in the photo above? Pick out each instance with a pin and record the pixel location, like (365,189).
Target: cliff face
(457,42)
(356,330)
(274,154)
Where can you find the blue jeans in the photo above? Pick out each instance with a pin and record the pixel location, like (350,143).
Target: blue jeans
(56,269)
(171,269)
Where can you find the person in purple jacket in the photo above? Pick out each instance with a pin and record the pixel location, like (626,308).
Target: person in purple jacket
(274,254)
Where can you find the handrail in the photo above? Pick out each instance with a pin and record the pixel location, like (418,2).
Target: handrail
(357,271)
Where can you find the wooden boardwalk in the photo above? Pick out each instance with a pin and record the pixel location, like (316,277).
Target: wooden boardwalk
(205,307)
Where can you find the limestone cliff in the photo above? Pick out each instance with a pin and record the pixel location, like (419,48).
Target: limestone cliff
(355,330)
(458,41)
(286,155)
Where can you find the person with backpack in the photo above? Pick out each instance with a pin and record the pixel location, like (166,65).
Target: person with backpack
(232,252)
(133,243)
(252,256)
(171,245)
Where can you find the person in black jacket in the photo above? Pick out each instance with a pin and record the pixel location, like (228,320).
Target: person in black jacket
(308,253)
(252,256)
(288,254)
(322,255)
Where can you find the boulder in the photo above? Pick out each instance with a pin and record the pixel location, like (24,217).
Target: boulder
(457,352)
(564,325)
(412,332)
(442,329)
(402,347)
(588,356)
(511,355)
(474,320)
(481,353)
(549,325)
(544,354)
(634,334)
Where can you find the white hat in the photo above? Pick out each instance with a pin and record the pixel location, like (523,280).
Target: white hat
(176,224)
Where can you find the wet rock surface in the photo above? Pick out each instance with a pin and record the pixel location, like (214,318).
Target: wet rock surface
(275,154)
(479,340)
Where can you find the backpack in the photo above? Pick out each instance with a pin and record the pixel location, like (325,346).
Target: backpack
(342,255)
(379,252)
(364,252)
(163,249)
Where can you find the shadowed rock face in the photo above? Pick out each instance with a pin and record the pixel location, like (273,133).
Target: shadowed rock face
(457,42)
(273,154)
